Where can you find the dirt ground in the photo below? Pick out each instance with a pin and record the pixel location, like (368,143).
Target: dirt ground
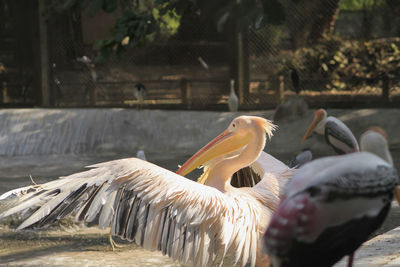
(67,244)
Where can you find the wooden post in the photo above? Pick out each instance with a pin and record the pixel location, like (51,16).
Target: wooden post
(281,90)
(239,66)
(186,93)
(44,55)
(241,63)
(93,84)
(4,95)
(385,87)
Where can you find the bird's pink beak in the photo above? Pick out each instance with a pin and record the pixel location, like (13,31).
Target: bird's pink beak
(226,142)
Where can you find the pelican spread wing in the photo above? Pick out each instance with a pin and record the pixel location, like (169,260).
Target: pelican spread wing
(275,175)
(152,206)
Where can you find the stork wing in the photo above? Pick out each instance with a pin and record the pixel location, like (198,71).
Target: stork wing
(340,137)
(152,206)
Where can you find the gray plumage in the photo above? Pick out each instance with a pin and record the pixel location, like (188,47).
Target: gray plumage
(300,159)
(336,131)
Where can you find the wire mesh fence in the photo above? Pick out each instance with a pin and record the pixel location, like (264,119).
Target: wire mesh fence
(339,69)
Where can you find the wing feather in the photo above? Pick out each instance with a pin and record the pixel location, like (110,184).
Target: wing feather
(44,210)
(108,209)
(156,208)
(94,205)
(188,244)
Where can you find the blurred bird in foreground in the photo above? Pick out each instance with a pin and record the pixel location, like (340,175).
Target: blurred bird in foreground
(233,100)
(332,205)
(337,134)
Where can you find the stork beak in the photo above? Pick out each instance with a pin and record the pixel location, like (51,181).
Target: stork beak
(309,131)
(224,143)
(317,118)
(397,193)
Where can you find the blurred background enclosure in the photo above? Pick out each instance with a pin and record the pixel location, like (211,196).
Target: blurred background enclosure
(84,53)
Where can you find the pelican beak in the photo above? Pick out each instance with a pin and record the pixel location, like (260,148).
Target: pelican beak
(317,118)
(397,193)
(226,142)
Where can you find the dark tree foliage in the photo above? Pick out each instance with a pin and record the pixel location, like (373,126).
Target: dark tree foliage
(198,19)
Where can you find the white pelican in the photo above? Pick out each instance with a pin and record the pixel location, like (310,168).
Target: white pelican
(337,134)
(332,205)
(233,100)
(193,223)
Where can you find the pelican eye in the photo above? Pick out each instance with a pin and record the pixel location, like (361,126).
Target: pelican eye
(233,124)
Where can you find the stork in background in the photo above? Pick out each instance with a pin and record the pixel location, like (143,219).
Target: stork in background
(140,93)
(233,100)
(336,133)
(90,65)
(91,88)
(291,107)
(332,205)
(295,78)
(58,85)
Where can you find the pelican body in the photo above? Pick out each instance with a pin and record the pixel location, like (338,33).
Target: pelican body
(193,223)
(337,134)
(330,207)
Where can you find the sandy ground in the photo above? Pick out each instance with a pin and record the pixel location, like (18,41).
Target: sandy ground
(67,244)
(383,250)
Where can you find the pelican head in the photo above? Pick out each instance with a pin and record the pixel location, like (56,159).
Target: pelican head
(319,115)
(239,133)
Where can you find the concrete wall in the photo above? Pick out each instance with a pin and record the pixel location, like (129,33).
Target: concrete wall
(102,131)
